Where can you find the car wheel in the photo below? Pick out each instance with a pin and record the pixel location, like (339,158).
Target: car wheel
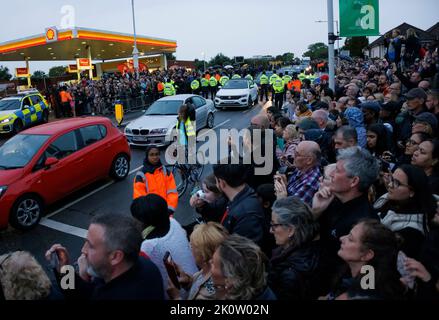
(45,117)
(120,167)
(210,121)
(26,212)
(17,127)
(250,102)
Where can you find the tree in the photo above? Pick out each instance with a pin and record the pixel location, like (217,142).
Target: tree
(4,73)
(57,71)
(39,74)
(317,51)
(287,58)
(170,57)
(199,64)
(356,45)
(220,60)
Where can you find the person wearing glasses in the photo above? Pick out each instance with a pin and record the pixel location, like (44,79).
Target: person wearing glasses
(411,146)
(295,260)
(408,207)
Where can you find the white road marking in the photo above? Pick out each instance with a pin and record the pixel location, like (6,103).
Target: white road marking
(87,195)
(220,125)
(65,228)
(82,233)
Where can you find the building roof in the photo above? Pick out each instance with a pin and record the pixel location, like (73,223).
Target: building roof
(423,35)
(72,44)
(434,30)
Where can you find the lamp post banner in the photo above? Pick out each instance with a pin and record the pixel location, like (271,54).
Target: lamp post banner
(359,18)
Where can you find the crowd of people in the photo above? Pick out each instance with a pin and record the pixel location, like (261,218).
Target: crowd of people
(354,187)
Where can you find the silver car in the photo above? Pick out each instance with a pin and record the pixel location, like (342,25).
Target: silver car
(161,118)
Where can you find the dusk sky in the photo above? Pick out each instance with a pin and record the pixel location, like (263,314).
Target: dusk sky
(235,28)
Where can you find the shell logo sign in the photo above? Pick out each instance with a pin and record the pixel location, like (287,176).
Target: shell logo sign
(51,34)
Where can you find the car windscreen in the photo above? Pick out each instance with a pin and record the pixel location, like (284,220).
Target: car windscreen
(164,108)
(9,105)
(19,150)
(236,85)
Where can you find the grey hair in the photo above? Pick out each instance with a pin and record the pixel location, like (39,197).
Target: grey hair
(358,162)
(121,233)
(244,266)
(294,212)
(348,133)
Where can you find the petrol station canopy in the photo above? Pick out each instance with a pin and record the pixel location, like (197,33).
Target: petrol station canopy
(71,44)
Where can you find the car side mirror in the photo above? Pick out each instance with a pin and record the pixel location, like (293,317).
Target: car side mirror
(26,107)
(50,162)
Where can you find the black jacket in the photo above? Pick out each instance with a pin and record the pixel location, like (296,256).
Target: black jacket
(292,272)
(246,217)
(337,221)
(142,282)
(213,211)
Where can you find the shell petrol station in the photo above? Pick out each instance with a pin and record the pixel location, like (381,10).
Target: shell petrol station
(84,46)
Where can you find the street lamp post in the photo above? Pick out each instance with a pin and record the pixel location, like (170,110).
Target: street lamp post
(331,41)
(338,35)
(204,60)
(135,50)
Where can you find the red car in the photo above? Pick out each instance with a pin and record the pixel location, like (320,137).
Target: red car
(43,164)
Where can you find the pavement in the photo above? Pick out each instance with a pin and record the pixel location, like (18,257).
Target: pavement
(67,221)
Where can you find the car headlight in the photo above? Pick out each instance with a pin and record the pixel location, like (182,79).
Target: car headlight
(3,190)
(159,131)
(128,131)
(6,120)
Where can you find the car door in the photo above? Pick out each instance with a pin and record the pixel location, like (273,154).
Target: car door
(201,109)
(253,90)
(26,105)
(36,102)
(64,177)
(95,151)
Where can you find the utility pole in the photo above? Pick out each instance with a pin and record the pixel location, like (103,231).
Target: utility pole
(135,50)
(331,41)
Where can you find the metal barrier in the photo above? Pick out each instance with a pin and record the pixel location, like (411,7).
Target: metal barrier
(131,104)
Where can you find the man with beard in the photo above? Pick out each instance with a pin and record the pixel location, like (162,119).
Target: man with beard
(110,267)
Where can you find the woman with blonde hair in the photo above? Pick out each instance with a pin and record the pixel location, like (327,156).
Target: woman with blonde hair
(204,240)
(23,278)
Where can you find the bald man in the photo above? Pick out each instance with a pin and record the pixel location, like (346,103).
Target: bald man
(304,181)
(260,121)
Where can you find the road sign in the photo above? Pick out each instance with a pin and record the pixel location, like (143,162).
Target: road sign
(359,18)
(118,113)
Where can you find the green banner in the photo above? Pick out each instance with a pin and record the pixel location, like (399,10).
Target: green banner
(359,18)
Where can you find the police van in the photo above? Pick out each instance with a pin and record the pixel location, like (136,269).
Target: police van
(22,110)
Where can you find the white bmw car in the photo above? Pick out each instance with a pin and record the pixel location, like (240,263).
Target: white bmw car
(237,93)
(161,118)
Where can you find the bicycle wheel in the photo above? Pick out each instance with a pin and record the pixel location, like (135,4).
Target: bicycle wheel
(197,169)
(180,179)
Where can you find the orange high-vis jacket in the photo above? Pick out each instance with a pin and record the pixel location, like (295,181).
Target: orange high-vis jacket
(161,183)
(217,77)
(160,86)
(297,85)
(207,76)
(65,97)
